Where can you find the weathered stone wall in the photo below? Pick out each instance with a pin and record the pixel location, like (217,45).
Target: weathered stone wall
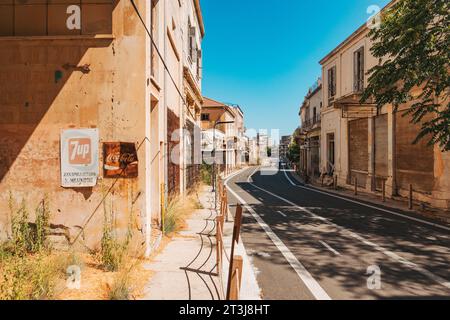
(43,90)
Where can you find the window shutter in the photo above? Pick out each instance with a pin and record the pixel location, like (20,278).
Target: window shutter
(361,69)
(355,71)
(330,84)
(333,72)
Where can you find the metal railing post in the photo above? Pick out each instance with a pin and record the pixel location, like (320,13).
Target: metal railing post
(410,200)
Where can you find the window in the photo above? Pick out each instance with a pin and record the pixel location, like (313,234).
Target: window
(307,118)
(358,70)
(51,17)
(199,64)
(314,115)
(191,40)
(331,83)
(205,116)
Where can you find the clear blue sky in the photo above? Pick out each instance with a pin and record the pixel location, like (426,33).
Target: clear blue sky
(264,54)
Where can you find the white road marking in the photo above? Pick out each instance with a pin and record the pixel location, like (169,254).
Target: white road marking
(313,286)
(388,253)
(282,214)
(326,245)
(368,205)
(289,179)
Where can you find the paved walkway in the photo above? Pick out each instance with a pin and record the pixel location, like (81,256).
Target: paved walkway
(186,268)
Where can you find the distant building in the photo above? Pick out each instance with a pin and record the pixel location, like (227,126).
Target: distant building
(284,146)
(263,145)
(311,129)
(253,151)
(230,152)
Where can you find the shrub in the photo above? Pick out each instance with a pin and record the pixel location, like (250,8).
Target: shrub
(206,173)
(29,237)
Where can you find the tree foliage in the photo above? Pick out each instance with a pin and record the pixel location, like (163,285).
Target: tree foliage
(413,44)
(293,153)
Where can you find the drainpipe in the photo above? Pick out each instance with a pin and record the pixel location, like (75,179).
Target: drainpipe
(165,144)
(148,167)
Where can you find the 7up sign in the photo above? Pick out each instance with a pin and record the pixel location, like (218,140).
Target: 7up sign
(79,158)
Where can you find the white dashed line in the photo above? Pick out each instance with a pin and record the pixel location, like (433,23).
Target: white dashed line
(282,214)
(329,247)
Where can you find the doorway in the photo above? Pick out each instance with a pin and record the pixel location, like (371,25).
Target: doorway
(330,153)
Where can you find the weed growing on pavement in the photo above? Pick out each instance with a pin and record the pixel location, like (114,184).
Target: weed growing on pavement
(26,269)
(112,250)
(206,173)
(29,237)
(127,279)
(178,209)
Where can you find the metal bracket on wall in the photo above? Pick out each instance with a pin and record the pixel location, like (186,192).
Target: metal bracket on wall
(84,68)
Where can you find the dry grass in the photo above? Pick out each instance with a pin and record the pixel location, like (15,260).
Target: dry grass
(43,276)
(98,284)
(28,277)
(179,210)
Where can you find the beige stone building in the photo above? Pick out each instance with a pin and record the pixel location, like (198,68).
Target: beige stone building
(310,114)
(102,74)
(240,141)
(370,145)
(192,84)
(230,150)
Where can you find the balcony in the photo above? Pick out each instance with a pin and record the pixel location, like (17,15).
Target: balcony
(311,123)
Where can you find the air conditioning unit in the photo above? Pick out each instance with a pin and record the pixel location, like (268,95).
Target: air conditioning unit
(199,53)
(192,32)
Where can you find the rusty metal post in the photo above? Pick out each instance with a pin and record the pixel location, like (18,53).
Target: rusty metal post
(225,208)
(356,186)
(383,190)
(219,246)
(216,179)
(236,278)
(234,240)
(410,200)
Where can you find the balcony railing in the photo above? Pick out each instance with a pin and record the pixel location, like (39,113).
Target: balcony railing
(309,123)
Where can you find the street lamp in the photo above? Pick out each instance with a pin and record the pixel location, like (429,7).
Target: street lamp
(214,157)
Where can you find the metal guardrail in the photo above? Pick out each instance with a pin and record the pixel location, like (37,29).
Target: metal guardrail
(235,262)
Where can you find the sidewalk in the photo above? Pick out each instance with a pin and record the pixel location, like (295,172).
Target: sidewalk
(186,267)
(397,203)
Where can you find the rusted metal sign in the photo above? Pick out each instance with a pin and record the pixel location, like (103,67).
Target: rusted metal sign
(79,158)
(120,160)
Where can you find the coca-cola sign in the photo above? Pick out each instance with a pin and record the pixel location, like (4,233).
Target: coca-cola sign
(120,160)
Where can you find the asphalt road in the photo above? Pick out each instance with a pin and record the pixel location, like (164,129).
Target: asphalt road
(306,244)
